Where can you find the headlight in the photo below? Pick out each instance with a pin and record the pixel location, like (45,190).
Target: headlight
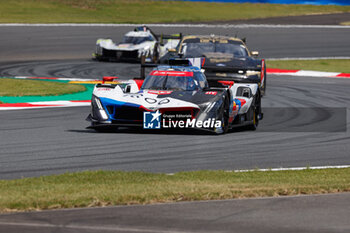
(103,114)
(97,102)
(101,110)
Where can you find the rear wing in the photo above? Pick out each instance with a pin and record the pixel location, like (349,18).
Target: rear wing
(214,74)
(162,37)
(159,37)
(171,62)
(145,65)
(220,73)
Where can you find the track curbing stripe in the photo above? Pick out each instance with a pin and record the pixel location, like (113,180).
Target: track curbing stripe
(45,104)
(75,103)
(307,73)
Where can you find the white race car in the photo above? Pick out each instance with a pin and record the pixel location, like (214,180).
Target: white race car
(135,44)
(175,96)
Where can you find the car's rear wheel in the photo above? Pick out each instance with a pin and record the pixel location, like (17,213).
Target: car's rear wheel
(255,121)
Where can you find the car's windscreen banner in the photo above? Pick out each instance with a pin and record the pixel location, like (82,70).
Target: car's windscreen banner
(172,73)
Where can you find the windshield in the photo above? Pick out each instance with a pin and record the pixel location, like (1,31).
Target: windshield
(199,49)
(171,80)
(136,40)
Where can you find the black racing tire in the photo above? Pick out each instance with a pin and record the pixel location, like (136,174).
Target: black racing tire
(100,58)
(255,111)
(224,115)
(224,120)
(255,123)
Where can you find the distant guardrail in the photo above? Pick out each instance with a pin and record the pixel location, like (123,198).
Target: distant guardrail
(312,2)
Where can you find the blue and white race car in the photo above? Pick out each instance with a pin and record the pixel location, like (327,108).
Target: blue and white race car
(173,96)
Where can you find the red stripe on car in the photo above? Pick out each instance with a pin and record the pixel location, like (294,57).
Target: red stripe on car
(139,82)
(262,71)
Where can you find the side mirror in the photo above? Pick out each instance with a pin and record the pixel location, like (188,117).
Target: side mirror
(254,53)
(172,50)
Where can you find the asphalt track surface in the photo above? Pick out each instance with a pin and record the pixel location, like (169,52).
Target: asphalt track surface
(260,215)
(52,43)
(51,141)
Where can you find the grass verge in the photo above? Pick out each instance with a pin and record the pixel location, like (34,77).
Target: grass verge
(329,65)
(102,188)
(19,87)
(346,23)
(146,11)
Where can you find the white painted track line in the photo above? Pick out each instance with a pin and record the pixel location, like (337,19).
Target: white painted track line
(294,168)
(305,58)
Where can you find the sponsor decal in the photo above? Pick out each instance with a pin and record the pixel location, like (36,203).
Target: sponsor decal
(152,120)
(124,45)
(103,89)
(192,123)
(211,92)
(241,101)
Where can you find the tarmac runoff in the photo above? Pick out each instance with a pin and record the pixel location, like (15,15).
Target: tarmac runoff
(83,98)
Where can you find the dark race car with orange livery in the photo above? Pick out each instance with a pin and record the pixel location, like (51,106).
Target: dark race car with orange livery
(224,58)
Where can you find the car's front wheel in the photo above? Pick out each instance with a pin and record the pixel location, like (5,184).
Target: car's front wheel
(255,112)
(224,116)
